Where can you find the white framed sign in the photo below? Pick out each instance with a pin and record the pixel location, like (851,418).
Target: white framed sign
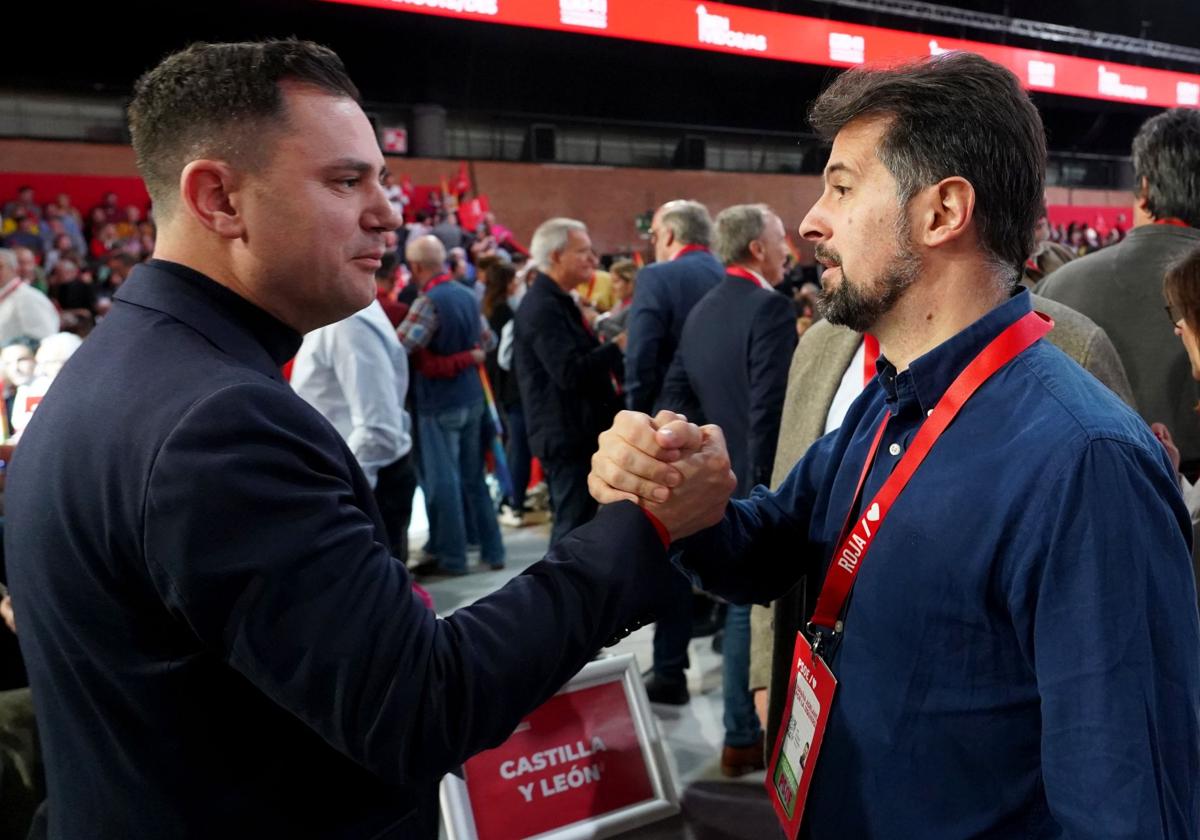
(587,763)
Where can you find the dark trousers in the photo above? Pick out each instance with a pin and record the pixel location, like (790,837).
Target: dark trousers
(394,489)
(673,629)
(519,457)
(573,504)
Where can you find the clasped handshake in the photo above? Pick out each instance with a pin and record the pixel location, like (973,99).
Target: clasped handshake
(675,469)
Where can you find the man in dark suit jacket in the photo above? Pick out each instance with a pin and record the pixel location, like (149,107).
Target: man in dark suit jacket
(565,374)
(683,272)
(731,369)
(218,641)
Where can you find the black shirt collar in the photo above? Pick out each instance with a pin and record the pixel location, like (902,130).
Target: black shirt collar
(226,318)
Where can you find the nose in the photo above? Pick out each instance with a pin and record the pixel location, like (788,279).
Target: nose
(815,227)
(379,214)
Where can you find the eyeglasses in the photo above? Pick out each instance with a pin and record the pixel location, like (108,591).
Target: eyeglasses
(1174,313)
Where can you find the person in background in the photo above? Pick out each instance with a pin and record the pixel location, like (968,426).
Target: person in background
(355,372)
(683,272)
(624,280)
(24,311)
(1119,287)
(565,374)
(501,297)
(446,320)
(1181,288)
(18,365)
(1047,255)
(731,369)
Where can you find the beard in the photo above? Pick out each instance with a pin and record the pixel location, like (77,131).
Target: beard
(860,309)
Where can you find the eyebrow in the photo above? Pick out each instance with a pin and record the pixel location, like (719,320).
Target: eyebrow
(837,167)
(354,165)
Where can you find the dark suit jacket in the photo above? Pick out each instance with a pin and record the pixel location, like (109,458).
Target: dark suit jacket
(664,295)
(731,369)
(218,641)
(565,374)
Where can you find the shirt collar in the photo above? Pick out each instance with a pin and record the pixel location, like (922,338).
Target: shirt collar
(225,317)
(749,274)
(689,249)
(542,279)
(919,388)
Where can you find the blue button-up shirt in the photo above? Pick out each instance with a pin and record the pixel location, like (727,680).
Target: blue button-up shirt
(1021,655)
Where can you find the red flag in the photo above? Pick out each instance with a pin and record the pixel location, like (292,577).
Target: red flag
(462,181)
(470,213)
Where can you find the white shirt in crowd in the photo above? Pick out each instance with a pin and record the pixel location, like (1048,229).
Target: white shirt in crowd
(355,372)
(24,311)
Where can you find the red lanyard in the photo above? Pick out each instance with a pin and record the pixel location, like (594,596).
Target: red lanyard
(436,281)
(1177,222)
(870,357)
(856,541)
(745,274)
(688,249)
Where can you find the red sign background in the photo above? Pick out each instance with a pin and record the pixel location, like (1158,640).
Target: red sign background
(733,29)
(503,812)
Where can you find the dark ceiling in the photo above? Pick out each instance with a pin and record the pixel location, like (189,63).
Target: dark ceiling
(470,67)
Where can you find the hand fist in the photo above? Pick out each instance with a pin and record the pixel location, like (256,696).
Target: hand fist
(678,471)
(634,457)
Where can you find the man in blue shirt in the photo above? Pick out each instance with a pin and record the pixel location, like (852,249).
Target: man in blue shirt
(1021,651)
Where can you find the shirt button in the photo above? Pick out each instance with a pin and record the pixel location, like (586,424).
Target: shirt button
(894,449)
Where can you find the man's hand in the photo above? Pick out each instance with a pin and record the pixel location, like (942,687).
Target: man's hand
(761,699)
(698,502)
(633,461)
(6,612)
(1164,437)
(675,469)
(478,355)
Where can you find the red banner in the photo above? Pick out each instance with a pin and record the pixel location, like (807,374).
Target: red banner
(574,758)
(86,191)
(1100,217)
(733,29)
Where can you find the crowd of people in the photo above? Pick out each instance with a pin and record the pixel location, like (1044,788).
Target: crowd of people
(1064,632)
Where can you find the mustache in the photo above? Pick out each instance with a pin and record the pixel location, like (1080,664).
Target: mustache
(827,255)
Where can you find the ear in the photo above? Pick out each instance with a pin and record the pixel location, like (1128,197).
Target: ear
(943,211)
(758,250)
(1142,198)
(208,188)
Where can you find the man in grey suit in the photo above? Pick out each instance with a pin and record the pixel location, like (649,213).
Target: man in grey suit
(1120,287)
(823,370)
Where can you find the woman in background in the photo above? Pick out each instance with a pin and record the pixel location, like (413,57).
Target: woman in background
(1181,288)
(501,295)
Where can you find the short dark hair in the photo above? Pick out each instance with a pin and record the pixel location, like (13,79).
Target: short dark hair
(953,114)
(217,100)
(1166,154)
